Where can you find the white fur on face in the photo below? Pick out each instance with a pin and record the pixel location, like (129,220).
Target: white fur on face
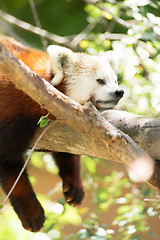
(82,85)
(80,74)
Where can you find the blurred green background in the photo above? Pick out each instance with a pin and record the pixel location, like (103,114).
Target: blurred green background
(114,208)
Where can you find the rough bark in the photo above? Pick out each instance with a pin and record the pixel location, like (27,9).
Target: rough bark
(144,131)
(85,129)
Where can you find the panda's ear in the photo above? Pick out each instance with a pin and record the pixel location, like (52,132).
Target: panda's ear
(60,57)
(112,58)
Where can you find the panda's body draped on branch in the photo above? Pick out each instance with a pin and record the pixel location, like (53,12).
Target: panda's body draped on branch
(81,77)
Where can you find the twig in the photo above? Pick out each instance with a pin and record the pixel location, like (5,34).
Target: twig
(26,162)
(37,21)
(151,200)
(156,3)
(34,29)
(35,14)
(82,34)
(10,32)
(116,19)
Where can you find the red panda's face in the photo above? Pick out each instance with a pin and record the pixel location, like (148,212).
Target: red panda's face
(86,77)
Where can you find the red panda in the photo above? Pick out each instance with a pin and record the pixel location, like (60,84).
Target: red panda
(81,77)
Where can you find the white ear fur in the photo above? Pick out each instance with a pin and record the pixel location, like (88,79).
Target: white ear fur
(59,57)
(112,58)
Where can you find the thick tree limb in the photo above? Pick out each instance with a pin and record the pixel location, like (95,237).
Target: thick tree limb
(98,137)
(144,131)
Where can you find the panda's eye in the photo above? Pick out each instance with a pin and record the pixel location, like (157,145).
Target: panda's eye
(100,81)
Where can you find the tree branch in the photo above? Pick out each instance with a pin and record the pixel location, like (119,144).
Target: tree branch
(116,19)
(144,131)
(36,30)
(104,140)
(37,21)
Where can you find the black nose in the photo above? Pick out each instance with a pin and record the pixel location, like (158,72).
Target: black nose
(119,94)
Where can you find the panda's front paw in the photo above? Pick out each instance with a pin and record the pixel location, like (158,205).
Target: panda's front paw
(73,192)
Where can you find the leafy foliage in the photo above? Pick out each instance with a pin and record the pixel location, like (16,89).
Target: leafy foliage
(130,220)
(132,30)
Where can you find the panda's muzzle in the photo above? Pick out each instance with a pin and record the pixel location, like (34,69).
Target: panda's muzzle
(111,102)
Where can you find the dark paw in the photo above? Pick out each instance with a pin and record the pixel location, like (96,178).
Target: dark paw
(73,194)
(30,213)
(33,220)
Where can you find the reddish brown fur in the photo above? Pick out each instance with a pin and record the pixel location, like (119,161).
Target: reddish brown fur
(19,115)
(39,62)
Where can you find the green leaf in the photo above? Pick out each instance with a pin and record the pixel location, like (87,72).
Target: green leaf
(124,209)
(42,118)
(144,210)
(44,123)
(84,233)
(146,192)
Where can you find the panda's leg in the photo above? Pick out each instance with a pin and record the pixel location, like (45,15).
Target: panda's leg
(69,171)
(15,136)
(22,198)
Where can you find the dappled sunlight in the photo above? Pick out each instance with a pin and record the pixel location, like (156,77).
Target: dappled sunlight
(115,206)
(141,170)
